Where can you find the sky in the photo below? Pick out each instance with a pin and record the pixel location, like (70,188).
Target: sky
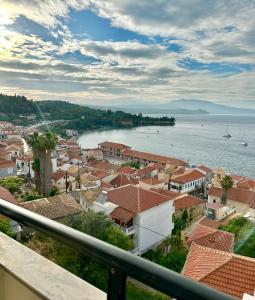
(109,52)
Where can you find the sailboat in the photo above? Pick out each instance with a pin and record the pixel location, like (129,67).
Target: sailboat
(227,134)
(244,143)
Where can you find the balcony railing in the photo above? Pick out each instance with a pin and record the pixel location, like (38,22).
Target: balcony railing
(127,230)
(121,264)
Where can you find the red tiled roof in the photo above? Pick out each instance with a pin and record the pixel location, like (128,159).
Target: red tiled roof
(54,207)
(101,165)
(7,196)
(204,168)
(122,214)
(5,163)
(145,171)
(230,273)
(154,157)
(246,184)
(152,181)
(58,175)
(234,194)
(170,194)
(126,170)
(100,173)
(212,238)
(188,177)
(113,145)
(215,205)
(106,185)
(186,201)
(135,199)
(122,180)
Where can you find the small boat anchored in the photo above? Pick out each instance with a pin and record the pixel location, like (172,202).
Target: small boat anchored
(227,134)
(245,144)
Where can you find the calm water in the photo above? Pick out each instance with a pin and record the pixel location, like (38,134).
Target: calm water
(194,138)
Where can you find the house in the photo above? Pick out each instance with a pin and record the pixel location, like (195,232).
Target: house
(145,172)
(24,165)
(86,198)
(9,132)
(218,211)
(205,170)
(242,200)
(193,205)
(7,168)
(145,158)
(63,181)
(212,238)
(192,182)
(152,183)
(227,272)
(55,208)
(126,170)
(88,181)
(93,154)
(121,180)
(111,149)
(144,215)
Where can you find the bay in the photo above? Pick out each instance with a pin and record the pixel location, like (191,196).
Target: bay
(197,139)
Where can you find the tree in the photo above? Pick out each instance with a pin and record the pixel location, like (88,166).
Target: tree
(13,184)
(226,184)
(132,164)
(42,146)
(169,172)
(95,224)
(5,227)
(185,215)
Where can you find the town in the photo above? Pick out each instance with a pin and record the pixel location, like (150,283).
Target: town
(160,204)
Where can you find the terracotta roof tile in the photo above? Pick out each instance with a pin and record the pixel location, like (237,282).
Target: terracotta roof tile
(122,214)
(54,207)
(5,163)
(204,169)
(186,201)
(135,199)
(126,170)
(170,194)
(152,181)
(234,194)
(58,175)
(224,271)
(188,177)
(212,238)
(113,145)
(122,180)
(154,157)
(7,196)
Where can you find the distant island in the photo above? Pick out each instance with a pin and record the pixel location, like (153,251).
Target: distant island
(181,106)
(21,111)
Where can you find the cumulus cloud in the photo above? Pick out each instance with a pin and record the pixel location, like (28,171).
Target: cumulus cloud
(213,31)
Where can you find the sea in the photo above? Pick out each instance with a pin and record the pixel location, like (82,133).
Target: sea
(197,139)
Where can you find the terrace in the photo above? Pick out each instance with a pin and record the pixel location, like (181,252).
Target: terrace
(25,274)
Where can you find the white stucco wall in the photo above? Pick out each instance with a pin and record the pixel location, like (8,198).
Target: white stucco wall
(153,225)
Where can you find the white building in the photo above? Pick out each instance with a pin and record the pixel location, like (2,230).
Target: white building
(192,182)
(144,215)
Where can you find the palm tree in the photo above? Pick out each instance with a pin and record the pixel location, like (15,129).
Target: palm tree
(169,172)
(226,184)
(42,146)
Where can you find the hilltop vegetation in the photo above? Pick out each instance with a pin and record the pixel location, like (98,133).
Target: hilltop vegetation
(14,108)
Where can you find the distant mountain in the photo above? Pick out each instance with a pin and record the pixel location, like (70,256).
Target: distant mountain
(182,106)
(209,106)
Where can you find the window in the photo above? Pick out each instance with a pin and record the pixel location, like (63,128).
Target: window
(10,171)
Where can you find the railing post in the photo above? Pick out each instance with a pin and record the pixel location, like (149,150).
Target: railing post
(116,285)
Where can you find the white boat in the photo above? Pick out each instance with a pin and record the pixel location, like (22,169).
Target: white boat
(245,144)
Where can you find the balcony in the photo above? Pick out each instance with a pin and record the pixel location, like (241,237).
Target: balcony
(128,230)
(26,275)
